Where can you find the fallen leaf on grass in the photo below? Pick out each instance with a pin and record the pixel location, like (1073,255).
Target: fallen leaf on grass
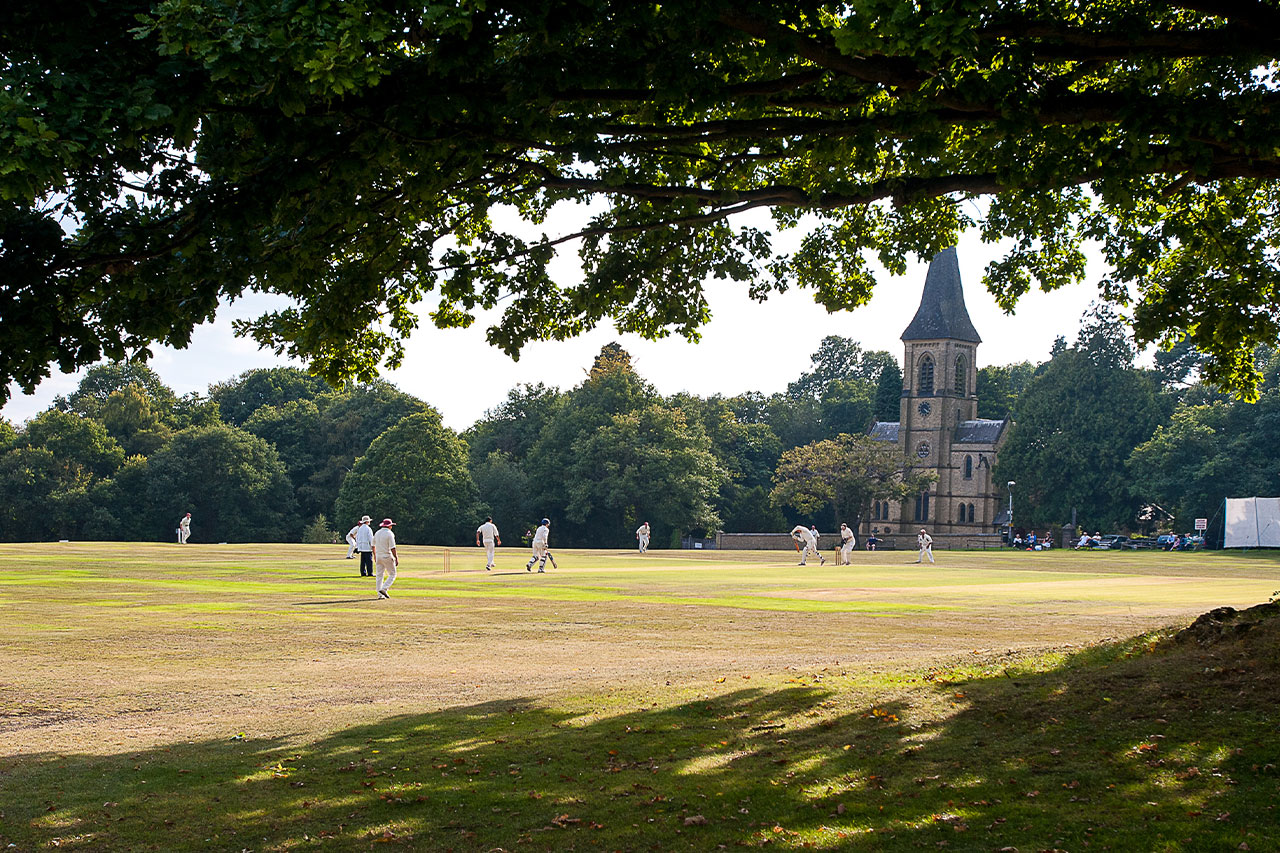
(696,820)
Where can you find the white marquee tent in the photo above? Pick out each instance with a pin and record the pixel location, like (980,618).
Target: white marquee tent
(1252,523)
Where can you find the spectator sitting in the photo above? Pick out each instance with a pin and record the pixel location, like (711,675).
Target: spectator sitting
(872,541)
(1031,541)
(1083,543)
(1017,540)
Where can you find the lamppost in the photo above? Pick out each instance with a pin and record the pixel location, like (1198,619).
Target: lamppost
(1011,485)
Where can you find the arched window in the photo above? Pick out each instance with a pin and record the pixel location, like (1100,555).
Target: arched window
(925,385)
(971,513)
(968,467)
(961,376)
(922,506)
(960,514)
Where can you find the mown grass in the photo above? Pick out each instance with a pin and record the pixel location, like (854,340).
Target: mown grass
(1137,744)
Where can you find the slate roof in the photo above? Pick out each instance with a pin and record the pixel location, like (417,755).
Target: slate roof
(884,431)
(942,314)
(978,432)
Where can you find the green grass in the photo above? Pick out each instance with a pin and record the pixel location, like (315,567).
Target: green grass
(257,698)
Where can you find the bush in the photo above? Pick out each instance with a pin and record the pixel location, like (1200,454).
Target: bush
(318,532)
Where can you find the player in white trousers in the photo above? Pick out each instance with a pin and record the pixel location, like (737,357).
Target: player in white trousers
(808,544)
(847,543)
(642,535)
(385,557)
(184,529)
(488,532)
(541,547)
(925,541)
(351,540)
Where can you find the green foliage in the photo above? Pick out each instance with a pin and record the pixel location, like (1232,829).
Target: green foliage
(653,464)
(300,436)
(101,381)
(504,488)
(233,483)
(1178,365)
(514,425)
(748,453)
(747,509)
(839,359)
(239,398)
(1207,453)
(847,406)
(846,474)
(1000,386)
(1076,425)
(611,388)
(34,491)
(889,393)
(416,474)
(202,149)
(318,532)
(130,419)
(123,508)
(81,445)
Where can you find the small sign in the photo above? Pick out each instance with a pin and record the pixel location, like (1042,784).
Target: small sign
(1202,524)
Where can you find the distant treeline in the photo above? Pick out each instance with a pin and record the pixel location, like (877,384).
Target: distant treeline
(278,455)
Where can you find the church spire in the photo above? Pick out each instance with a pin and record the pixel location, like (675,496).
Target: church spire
(942,314)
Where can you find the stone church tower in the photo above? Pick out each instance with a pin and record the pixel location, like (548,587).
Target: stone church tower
(938,426)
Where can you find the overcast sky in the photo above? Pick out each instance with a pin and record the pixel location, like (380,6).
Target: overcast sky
(747,346)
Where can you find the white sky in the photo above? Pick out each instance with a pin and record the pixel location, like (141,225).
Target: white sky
(747,346)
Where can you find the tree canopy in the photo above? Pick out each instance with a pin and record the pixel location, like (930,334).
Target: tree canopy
(364,157)
(845,473)
(415,473)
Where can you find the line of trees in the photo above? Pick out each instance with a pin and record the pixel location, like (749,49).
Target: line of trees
(278,455)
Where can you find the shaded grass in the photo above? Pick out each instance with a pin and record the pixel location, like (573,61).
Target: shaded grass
(1140,745)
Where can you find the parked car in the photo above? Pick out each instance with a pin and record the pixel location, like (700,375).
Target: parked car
(1113,542)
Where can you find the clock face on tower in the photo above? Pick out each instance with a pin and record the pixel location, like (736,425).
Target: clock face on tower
(924,409)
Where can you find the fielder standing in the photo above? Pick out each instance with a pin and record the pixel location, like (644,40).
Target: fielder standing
(541,547)
(488,532)
(847,543)
(925,541)
(386,558)
(642,535)
(184,529)
(808,544)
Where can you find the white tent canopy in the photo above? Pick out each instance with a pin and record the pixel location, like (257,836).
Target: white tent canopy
(1252,523)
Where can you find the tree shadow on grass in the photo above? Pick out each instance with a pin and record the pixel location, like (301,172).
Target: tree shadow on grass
(1136,746)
